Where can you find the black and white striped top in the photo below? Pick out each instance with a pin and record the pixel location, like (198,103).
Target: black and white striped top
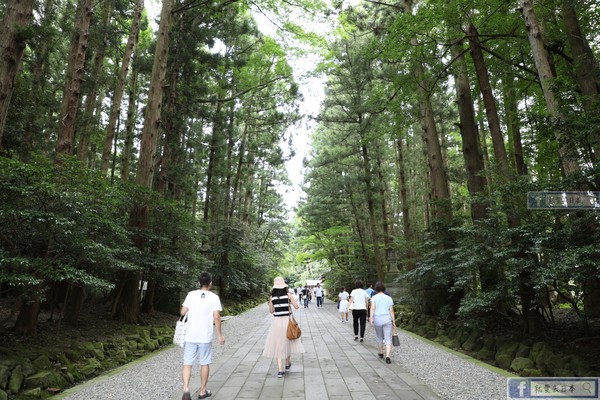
(281,306)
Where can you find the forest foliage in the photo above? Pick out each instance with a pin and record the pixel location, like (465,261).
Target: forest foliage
(138,153)
(439,118)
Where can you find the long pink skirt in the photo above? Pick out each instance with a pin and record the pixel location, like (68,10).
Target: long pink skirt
(277,344)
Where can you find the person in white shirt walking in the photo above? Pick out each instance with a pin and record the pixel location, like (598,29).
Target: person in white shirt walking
(359,301)
(203,308)
(343,304)
(319,295)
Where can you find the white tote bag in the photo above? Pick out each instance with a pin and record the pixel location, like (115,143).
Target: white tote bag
(180,328)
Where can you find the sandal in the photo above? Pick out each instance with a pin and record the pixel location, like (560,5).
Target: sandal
(287,367)
(205,395)
(186,396)
(387,360)
(380,355)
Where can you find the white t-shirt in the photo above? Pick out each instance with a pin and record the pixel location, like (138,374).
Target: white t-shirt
(201,304)
(319,291)
(359,299)
(343,296)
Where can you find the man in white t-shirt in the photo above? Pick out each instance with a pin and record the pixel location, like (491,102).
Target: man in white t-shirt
(319,295)
(203,308)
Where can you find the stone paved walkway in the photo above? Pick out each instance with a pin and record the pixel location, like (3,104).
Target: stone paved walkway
(334,366)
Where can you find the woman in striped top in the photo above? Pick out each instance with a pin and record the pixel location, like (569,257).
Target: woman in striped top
(277,344)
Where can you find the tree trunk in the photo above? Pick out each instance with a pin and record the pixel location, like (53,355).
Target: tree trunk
(91,99)
(512,122)
(17,16)
(152,118)
(74,304)
(31,302)
(33,120)
(26,323)
(483,139)
(440,195)
(128,303)
(130,126)
(72,90)
(238,173)
(435,296)
(247,205)
(149,297)
(115,107)
(369,191)
(127,307)
(403,190)
(476,182)
(567,150)
(385,223)
(172,130)
(488,99)
(359,227)
(585,67)
(229,193)
(471,147)
(533,322)
(212,157)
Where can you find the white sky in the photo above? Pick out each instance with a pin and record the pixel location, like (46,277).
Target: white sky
(312,90)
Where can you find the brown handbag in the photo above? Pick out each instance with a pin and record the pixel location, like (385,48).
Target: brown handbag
(293,329)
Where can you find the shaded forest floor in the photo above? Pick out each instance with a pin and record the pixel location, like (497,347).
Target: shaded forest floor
(95,325)
(568,336)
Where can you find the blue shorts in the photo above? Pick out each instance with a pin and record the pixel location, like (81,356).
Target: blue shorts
(192,351)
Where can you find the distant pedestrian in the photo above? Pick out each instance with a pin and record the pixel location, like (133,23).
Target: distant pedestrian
(319,295)
(203,308)
(370,292)
(359,299)
(343,305)
(277,344)
(383,319)
(306,296)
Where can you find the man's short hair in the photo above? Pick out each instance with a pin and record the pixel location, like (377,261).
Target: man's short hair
(205,279)
(358,283)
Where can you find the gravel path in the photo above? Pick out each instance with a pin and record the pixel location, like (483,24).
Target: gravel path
(158,376)
(451,376)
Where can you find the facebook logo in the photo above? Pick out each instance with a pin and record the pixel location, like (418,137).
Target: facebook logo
(518,388)
(553,388)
